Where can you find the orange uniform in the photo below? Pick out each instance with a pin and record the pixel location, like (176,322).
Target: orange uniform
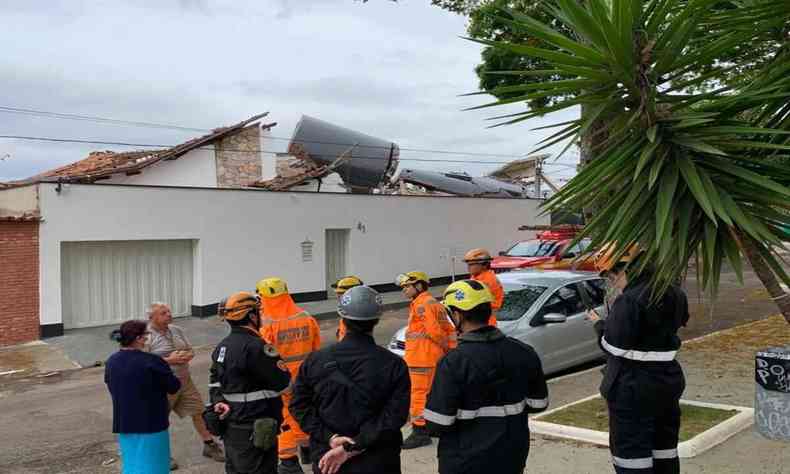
(295,334)
(429,337)
(489,279)
(341,330)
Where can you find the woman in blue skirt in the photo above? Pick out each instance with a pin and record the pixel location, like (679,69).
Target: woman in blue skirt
(139,383)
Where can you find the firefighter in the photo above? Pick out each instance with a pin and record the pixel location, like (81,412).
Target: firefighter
(295,334)
(642,382)
(246,381)
(353,397)
(428,339)
(341,286)
(479,264)
(483,391)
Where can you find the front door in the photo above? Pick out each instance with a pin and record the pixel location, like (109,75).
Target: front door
(563,344)
(337,242)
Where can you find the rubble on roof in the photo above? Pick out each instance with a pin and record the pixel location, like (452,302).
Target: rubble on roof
(461,184)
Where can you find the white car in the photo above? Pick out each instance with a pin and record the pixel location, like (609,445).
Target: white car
(547,310)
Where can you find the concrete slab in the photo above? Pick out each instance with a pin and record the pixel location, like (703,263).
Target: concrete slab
(32,358)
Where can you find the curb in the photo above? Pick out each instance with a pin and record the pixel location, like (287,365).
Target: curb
(687,449)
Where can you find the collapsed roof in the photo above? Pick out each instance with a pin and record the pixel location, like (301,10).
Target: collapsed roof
(461,184)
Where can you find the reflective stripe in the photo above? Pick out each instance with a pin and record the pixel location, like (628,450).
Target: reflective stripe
(665,453)
(438,418)
(538,403)
(649,356)
(214,385)
(296,358)
(251,396)
(493,411)
(417,335)
(637,463)
(420,370)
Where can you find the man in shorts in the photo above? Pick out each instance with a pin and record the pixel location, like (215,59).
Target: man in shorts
(169,342)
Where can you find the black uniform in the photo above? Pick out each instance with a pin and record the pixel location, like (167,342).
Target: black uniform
(479,403)
(246,374)
(643,382)
(356,389)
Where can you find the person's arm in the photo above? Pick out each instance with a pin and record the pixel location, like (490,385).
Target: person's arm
(434,329)
(620,331)
(316,334)
(392,416)
(444,398)
(214,383)
(264,364)
(303,407)
(164,375)
(497,292)
(537,389)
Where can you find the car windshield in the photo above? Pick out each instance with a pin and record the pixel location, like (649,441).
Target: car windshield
(532,248)
(518,302)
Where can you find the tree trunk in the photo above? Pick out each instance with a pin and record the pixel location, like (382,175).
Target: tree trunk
(766,275)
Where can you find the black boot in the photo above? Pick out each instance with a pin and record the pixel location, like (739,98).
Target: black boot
(290,466)
(418,438)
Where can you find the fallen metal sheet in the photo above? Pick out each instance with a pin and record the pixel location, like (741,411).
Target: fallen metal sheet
(462,184)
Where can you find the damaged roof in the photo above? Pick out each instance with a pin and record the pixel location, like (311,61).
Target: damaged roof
(103,164)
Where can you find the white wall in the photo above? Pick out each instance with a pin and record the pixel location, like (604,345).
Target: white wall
(268,160)
(196,168)
(247,235)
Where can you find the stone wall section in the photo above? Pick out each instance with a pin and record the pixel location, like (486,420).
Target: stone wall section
(239,158)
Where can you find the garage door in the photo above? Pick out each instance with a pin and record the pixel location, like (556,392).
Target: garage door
(109,282)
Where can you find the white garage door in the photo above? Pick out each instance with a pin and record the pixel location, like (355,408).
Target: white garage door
(109,282)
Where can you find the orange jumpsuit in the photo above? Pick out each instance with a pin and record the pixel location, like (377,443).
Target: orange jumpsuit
(489,279)
(428,338)
(295,334)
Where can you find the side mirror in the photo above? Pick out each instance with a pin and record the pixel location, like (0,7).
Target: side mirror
(502,253)
(554,318)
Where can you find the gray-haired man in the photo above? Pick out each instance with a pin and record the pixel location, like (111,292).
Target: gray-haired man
(169,342)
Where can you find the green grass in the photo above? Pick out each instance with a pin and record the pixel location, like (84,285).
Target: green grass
(593,415)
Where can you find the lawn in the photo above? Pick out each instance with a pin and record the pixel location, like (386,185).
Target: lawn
(592,415)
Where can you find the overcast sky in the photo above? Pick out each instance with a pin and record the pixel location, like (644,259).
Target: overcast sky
(392,70)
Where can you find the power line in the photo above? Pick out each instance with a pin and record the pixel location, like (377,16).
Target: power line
(147,145)
(112,121)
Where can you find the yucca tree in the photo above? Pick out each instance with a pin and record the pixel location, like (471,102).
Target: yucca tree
(685,173)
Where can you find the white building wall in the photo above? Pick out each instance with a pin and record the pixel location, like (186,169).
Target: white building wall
(246,235)
(18,201)
(196,168)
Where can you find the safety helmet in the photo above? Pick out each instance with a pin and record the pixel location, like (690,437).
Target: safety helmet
(477,256)
(466,295)
(411,278)
(361,303)
(346,283)
(605,262)
(271,287)
(238,306)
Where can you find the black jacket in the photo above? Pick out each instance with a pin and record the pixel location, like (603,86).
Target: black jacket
(479,402)
(357,389)
(243,364)
(641,333)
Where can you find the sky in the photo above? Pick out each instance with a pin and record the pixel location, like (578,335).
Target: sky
(391,70)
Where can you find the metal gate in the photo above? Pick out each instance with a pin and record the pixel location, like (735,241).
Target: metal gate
(336,256)
(112,281)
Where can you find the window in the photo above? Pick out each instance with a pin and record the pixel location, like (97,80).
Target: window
(596,289)
(518,302)
(577,249)
(532,248)
(565,300)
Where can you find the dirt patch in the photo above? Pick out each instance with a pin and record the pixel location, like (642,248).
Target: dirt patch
(593,415)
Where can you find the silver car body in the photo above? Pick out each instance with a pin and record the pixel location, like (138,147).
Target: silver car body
(559,344)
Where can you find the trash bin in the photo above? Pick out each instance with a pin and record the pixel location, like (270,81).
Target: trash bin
(772,393)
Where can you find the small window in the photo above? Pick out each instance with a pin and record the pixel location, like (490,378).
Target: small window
(518,302)
(565,300)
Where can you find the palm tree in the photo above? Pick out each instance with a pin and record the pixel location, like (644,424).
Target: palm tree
(686,171)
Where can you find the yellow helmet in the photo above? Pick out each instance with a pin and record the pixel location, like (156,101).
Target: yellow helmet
(466,295)
(411,278)
(271,287)
(238,306)
(346,283)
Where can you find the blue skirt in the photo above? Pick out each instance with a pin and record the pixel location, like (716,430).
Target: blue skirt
(145,453)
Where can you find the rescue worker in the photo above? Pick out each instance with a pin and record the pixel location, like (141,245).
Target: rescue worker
(353,397)
(642,382)
(341,286)
(428,339)
(479,263)
(295,334)
(483,391)
(247,378)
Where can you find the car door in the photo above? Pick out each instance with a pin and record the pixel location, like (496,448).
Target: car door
(594,293)
(562,343)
